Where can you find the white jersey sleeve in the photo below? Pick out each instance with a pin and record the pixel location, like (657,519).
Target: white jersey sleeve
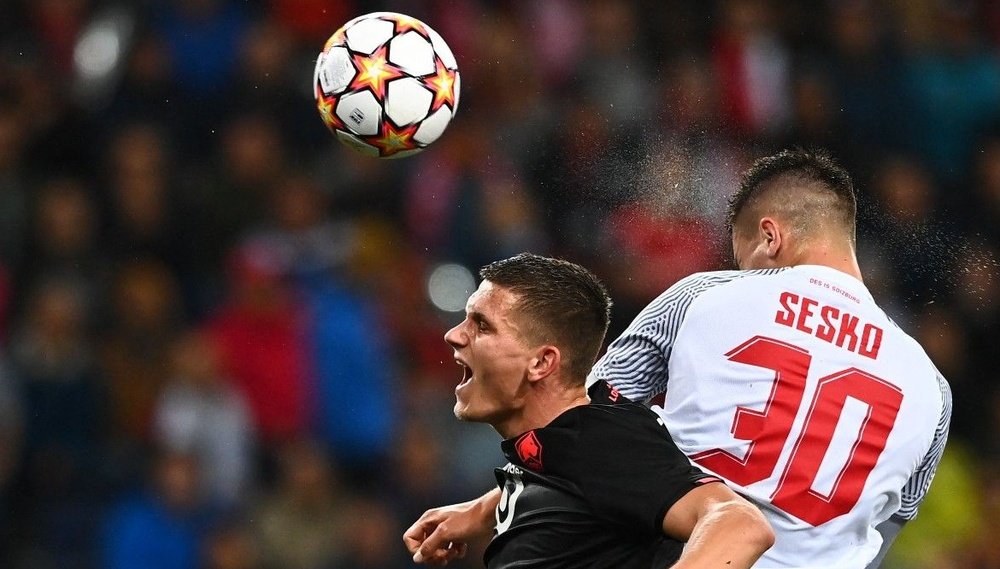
(636,362)
(918,484)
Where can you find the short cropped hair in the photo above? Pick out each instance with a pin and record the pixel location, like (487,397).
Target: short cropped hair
(805,172)
(559,302)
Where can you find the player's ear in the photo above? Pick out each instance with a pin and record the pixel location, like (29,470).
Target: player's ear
(544,363)
(770,235)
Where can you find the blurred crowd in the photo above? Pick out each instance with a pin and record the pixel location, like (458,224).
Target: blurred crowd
(216,345)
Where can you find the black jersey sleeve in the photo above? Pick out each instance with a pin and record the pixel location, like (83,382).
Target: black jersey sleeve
(627,467)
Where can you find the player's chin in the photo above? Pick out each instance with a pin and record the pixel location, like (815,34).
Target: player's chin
(465,412)
(461,409)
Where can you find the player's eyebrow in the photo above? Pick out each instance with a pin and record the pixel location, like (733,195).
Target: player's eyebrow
(480,318)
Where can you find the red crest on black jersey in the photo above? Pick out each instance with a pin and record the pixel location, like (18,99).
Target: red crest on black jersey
(530,450)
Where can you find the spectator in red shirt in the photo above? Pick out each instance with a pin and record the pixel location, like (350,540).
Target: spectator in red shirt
(259,334)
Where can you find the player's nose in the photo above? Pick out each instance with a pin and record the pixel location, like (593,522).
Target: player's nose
(456,337)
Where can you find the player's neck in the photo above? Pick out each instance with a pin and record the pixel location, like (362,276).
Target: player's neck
(545,405)
(830,254)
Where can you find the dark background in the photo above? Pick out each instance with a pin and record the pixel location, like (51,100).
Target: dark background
(218,349)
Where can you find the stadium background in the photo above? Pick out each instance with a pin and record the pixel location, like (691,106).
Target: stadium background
(218,348)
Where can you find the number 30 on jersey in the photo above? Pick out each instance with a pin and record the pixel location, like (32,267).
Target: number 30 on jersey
(768,430)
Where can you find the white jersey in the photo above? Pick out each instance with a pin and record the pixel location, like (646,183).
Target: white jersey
(793,386)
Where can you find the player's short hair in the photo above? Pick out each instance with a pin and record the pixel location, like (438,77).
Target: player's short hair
(812,184)
(561,303)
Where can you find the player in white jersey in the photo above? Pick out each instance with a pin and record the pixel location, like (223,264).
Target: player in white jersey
(790,382)
(785,378)
(794,387)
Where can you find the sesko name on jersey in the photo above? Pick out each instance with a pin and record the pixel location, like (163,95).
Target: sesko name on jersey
(829,323)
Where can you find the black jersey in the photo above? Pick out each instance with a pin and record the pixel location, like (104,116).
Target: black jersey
(590,490)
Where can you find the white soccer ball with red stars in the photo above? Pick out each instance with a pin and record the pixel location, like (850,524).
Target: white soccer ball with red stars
(386,84)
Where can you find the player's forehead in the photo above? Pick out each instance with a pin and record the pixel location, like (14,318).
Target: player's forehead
(491,299)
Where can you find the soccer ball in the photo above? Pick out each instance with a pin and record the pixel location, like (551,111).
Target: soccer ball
(386,85)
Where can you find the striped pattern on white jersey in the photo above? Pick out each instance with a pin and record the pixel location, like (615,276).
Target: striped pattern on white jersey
(629,365)
(918,484)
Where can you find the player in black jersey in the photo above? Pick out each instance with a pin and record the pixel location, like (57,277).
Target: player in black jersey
(590,484)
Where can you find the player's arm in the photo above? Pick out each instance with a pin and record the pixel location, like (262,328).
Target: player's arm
(443,534)
(721,529)
(633,474)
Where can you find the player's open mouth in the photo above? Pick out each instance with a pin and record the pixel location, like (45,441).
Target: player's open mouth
(466,372)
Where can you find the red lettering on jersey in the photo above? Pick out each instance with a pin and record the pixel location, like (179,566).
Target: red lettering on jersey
(794,493)
(613,395)
(787,317)
(848,329)
(827,330)
(767,429)
(530,450)
(871,341)
(836,327)
(807,306)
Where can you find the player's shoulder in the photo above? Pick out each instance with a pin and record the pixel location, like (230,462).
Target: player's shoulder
(700,282)
(612,425)
(685,291)
(614,440)
(583,435)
